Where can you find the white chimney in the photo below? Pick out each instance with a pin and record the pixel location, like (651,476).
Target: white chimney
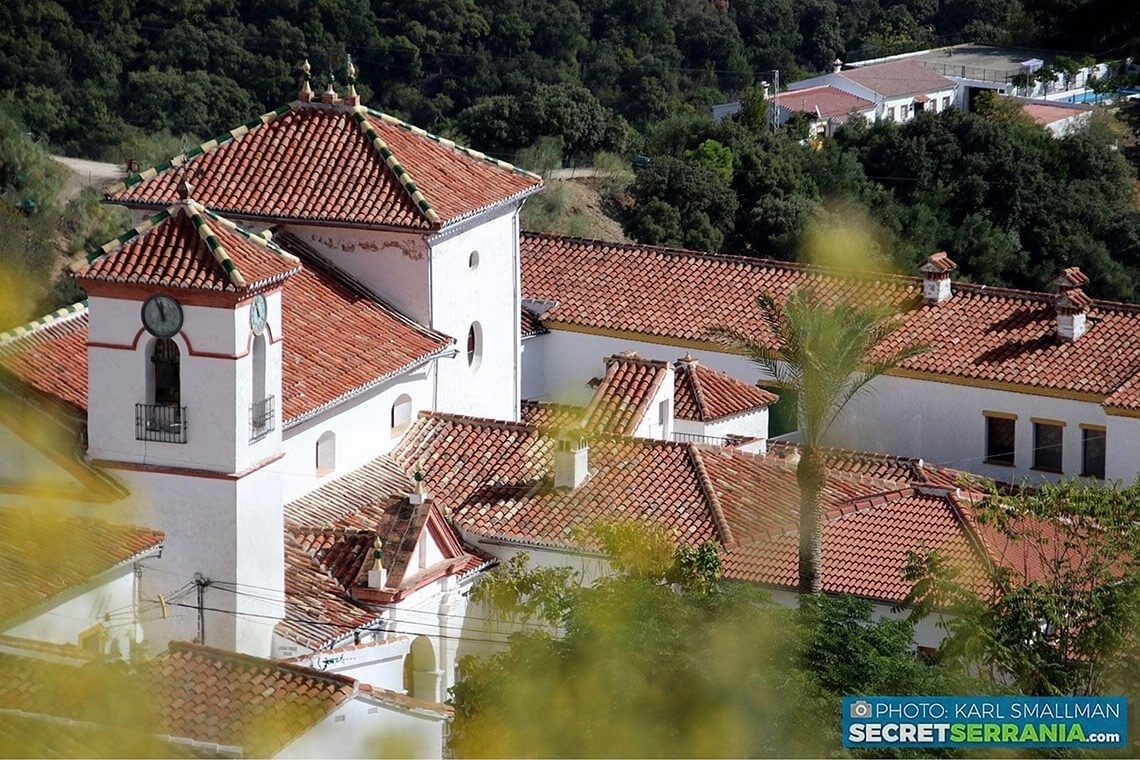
(936,278)
(836,66)
(571,461)
(1072,314)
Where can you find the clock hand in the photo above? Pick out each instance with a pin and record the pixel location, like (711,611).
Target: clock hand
(161,310)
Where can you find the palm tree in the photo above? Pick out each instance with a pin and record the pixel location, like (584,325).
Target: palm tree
(827,355)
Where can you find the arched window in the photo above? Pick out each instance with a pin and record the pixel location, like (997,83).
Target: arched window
(401,414)
(473,260)
(474,345)
(166,372)
(261,412)
(326,453)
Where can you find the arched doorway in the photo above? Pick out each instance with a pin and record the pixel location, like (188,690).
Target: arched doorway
(421,679)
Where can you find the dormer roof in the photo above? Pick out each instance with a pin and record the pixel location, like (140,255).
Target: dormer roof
(622,399)
(333,164)
(703,394)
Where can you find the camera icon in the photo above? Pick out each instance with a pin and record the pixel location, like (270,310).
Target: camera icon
(860,709)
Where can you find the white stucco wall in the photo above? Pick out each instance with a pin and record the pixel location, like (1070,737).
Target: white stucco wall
(215,361)
(753,424)
(488,294)
(393,265)
(943,423)
(110,604)
(940,422)
(362,426)
(369,727)
(228,531)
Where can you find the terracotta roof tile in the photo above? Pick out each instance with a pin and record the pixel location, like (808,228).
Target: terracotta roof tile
(703,394)
(189,694)
(622,400)
(865,547)
(51,356)
(1005,337)
(43,555)
(312,162)
(495,479)
(825,101)
(338,341)
(548,416)
(330,538)
(189,247)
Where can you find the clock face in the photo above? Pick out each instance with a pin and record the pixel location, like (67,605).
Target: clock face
(258,313)
(162,316)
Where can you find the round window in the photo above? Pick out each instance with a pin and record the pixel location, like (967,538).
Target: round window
(474,345)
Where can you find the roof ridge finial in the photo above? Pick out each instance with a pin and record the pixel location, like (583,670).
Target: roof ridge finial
(329,96)
(185,189)
(306,94)
(351,98)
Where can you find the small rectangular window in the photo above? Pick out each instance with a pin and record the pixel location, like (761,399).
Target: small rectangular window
(1000,432)
(891,113)
(1048,440)
(663,412)
(1093,442)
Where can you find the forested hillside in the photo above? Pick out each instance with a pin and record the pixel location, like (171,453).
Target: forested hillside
(127,79)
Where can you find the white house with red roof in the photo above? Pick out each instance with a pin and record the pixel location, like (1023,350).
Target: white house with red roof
(898,89)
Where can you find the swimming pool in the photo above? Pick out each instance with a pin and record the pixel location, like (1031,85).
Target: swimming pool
(1088,96)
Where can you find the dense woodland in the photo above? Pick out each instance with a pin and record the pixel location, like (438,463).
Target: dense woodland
(122,79)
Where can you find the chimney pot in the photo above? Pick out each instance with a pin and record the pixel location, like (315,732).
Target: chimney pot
(571,461)
(936,278)
(1072,313)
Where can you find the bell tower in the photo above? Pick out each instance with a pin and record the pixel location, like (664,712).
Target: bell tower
(184,384)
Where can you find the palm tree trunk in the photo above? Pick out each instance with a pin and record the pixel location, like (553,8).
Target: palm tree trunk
(810,473)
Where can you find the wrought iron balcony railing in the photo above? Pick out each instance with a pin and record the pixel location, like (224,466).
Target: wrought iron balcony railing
(262,418)
(160,422)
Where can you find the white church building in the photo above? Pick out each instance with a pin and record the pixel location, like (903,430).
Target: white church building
(334,377)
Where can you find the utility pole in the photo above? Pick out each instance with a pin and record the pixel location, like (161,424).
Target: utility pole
(776,100)
(201,582)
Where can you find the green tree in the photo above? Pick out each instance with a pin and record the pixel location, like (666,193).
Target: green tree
(665,658)
(826,353)
(1060,615)
(680,203)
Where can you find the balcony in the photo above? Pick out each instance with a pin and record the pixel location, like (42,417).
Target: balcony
(165,423)
(714,440)
(262,418)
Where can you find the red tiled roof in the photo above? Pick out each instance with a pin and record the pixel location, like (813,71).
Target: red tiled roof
(1045,114)
(704,394)
(318,612)
(188,247)
(235,699)
(547,416)
(338,340)
(318,163)
(865,547)
(622,399)
(494,477)
(987,334)
(51,357)
(43,554)
(898,78)
(825,101)
(330,539)
(192,696)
